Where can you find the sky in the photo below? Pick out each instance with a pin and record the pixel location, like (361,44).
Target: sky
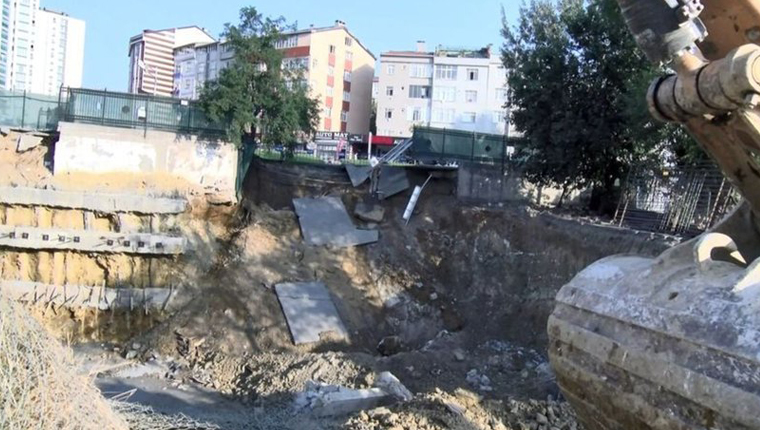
(380,25)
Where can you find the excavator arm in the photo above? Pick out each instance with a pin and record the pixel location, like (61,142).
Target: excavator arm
(715,90)
(673,342)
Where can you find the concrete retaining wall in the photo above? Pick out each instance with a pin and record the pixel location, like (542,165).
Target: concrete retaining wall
(97,202)
(84,148)
(53,239)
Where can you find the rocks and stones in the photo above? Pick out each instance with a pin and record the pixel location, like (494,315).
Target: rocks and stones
(458,355)
(389,345)
(391,385)
(479,381)
(369,212)
(332,400)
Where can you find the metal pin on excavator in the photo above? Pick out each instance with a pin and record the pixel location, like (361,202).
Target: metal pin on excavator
(674,342)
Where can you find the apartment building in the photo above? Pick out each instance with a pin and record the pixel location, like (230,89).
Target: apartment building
(446,88)
(40,50)
(151,58)
(339,71)
(197,64)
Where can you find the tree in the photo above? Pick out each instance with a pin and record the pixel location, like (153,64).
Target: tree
(578,85)
(256,92)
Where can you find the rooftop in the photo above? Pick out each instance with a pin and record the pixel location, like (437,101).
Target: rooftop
(339,25)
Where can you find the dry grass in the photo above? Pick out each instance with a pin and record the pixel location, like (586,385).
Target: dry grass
(39,385)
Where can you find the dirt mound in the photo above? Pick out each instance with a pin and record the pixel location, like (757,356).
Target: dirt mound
(25,169)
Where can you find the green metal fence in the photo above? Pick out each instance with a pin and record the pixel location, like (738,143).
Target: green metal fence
(136,111)
(444,145)
(29,111)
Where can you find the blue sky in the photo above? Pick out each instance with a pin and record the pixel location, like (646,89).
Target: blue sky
(380,25)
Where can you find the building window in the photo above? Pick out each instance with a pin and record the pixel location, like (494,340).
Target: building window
(344,116)
(424,71)
(469,117)
(500,117)
(501,95)
(471,96)
(391,69)
(328,112)
(444,115)
(314,63)
(445,94)
(288,42)
(389,114)
(332,49)
(347,76)
(331,71)
(349,56)
(472,74)
(446,73)
(418,114)
(349,41)
(329,91)
(389,91)
(419,92)
(346,96)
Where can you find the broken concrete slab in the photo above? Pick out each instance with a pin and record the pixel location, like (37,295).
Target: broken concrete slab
(325,221)
(78,296)
(309,311)
(325,400)
(389,383)
(393,180)
(97,202)
(358,174)
(369,212)
(28,141)
(90,241)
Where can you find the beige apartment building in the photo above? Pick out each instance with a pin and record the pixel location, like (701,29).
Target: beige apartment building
(339,71)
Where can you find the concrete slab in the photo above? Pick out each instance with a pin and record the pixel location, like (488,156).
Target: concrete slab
(90,241)
(309,311)
(78,296)
(97,202)
(393,180)
(325,221)
(27,142)
(358,174)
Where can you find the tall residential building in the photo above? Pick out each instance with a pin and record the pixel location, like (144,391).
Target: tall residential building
(40,50)
(337,67)
(448,88)
(151,58)
(195,64)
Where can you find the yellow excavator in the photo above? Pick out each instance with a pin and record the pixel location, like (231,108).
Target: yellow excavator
(674,342)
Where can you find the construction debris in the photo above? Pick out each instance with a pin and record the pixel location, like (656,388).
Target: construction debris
(310,312)
(370,212)
(325,221)
(358,174)
(331,400)
(392,181)
(27,142)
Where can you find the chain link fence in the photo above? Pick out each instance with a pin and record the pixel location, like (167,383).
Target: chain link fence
(29,111)
(683,201)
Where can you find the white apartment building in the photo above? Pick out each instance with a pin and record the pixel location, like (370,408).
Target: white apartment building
(337,68)
(197,64)
(151,58)
(40,50)
(455,89)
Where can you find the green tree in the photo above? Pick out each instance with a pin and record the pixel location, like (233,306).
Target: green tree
(578,85)
(255,92)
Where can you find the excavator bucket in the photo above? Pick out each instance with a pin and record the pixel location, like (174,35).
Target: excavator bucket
(673,343)
(665,343)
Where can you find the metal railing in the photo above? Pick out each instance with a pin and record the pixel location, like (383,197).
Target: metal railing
(684,201)
(443,146)
(29,111)
(136,111)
